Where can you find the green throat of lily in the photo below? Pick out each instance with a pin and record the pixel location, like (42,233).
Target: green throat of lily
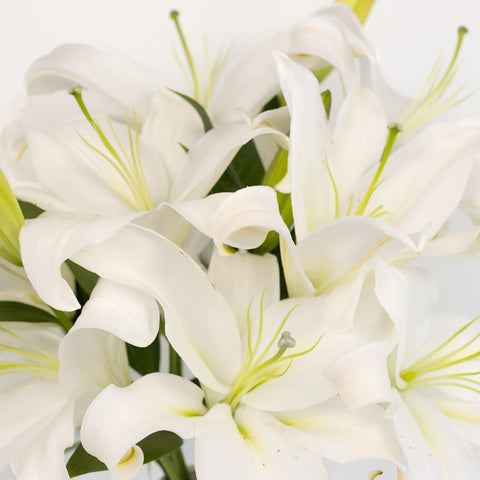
(454,363)
(257,368)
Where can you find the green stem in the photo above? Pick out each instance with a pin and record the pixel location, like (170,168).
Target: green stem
(168,467)
(177,457)
(174,465)
(64,319)
(175,362)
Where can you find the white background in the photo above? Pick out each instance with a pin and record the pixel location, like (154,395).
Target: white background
(409,35)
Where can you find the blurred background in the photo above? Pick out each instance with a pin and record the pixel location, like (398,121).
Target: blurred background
(409,36)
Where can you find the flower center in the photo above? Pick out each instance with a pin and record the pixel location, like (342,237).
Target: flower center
(33,360)
(256,368)
(448,365)
(128,165)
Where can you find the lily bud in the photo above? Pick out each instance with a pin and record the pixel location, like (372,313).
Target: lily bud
(361,8)
(11,221)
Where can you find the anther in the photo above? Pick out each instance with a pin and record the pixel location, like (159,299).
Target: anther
(286,341)
(395,126)
(76,90)
(462,30)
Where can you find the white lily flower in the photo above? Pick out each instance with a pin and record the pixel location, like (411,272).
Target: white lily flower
(352,203)
(48,380)
(262,399)
(435,375)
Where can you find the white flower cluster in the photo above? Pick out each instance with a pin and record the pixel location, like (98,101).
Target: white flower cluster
(264,228)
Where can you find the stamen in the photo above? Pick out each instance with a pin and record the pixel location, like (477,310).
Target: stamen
(430,370)
(41,362)
(393,130)
(130,168)
(427,106)
(174,14)
(334,186)
(253,374)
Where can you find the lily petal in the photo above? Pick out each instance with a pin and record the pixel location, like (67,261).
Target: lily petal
(35,434)
(90,360)
(210,156)
(345,435)
(243,279)
(198,322)
(313,200)
(47,241)
(120,417)
(358,139)
(128,313)
(119,79)
(426,178)
(444,455)
(335,251)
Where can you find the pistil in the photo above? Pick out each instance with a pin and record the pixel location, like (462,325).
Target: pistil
(128,168)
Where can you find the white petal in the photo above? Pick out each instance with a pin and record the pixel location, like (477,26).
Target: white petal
(432,447)
(15,286)
(451,244)
(464,415)
(338,250)
(171,123)
(312,190)
(345,435)
(126,312)
(120,417)
(242,220)
(36,421)
(220,449)
(361,376)
(211,155)
(358,139)
(426,178)
(198,322)
(244,279)
(333,34)
(122,81)
(90,360)
(303,384)
(281,450)
(406,295)
(46,242)
(249,82)
(258,447)
(70,175)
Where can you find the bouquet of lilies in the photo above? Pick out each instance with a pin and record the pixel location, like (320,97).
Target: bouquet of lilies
(239,264)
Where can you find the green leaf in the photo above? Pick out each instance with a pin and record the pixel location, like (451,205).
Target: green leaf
(86,279)
(246,169)
(29,210)
(154,446)
(145,359)
(207,123)
(21,312)
(82,462)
